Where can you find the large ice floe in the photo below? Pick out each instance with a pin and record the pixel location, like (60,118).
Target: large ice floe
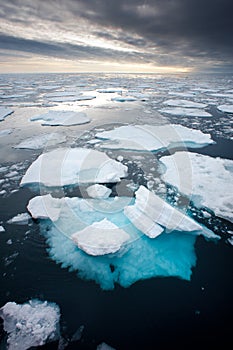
(207,181)
(33,323)
(185,111)
(184,103)
(4,112)
(118,239)
(69,166)
(152,137)
(65,118)
(226,108)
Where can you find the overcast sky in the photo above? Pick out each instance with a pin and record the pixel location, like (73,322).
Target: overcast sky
(116,35)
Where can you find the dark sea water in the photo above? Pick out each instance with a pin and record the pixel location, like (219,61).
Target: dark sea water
(158,313)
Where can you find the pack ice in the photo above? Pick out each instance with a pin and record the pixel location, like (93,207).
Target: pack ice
(69,166)
(4,112)
(65,118)
(30,324)
(106,241)
(207,181)
(152,137)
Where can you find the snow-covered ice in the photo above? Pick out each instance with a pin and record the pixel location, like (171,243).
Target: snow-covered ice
(150,210)
(69,166)
(183,111)
(184,103)
(20,219)
(100,238)
(207,181)
(226,108)
(33,323)
(45,207)
(42,141)
(65,118)
(152,137)
(98,191)
(4,112)
(5,132)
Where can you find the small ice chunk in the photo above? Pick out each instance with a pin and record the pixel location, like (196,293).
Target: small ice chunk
(207,181)
(45,207)
(124,99)
(42,141)
(104,346)
(65,118)
(20,219)
(110,90)
(69,166)
(184,103)
(2,228)
(30,324)
(98,191)
(100,238)
(4,112)
(226,108)
(188,112)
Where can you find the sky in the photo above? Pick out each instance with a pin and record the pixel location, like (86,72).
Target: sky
(143,36)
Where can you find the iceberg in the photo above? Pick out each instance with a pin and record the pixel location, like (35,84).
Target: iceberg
(152,137)
(100,238)
(137,256)
(98,191)
(4,112)
(207,181)
(226,108)
(188,112)
(184,103)
(41,141)
(70,166)
(64,118)
(149,210)
(33,323)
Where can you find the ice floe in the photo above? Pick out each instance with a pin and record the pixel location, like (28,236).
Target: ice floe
(151,214)
(45,207)
(184,103)
(207,181)
(226,108)
(100,238)
(104,346)
(188,112)
(69,166)
(20,219)
(5,132)
(2,229)
(124,99)
(65,118)
(98,191)
(31,324)
(42,141)
(4,112)
(110,90)
(152,137)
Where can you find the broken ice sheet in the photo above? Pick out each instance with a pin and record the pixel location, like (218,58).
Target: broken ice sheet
(65,118)
(42,141)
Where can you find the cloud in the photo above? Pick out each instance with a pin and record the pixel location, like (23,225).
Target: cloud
(175,32)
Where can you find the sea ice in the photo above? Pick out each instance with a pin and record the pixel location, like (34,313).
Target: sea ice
(4,112)
(226,108)
(20,219)
(152,137)
(184,103)
(2,228)
(98,191)
(65,118)
(100,238)
(42,141)
(207,181)
(69,166)
(45,207)
(110,90)
(151,214)
(124,99)
(104,346)
(30,324)
(5,132)
(188,112)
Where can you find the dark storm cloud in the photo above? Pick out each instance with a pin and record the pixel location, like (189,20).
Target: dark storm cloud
(182,29)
